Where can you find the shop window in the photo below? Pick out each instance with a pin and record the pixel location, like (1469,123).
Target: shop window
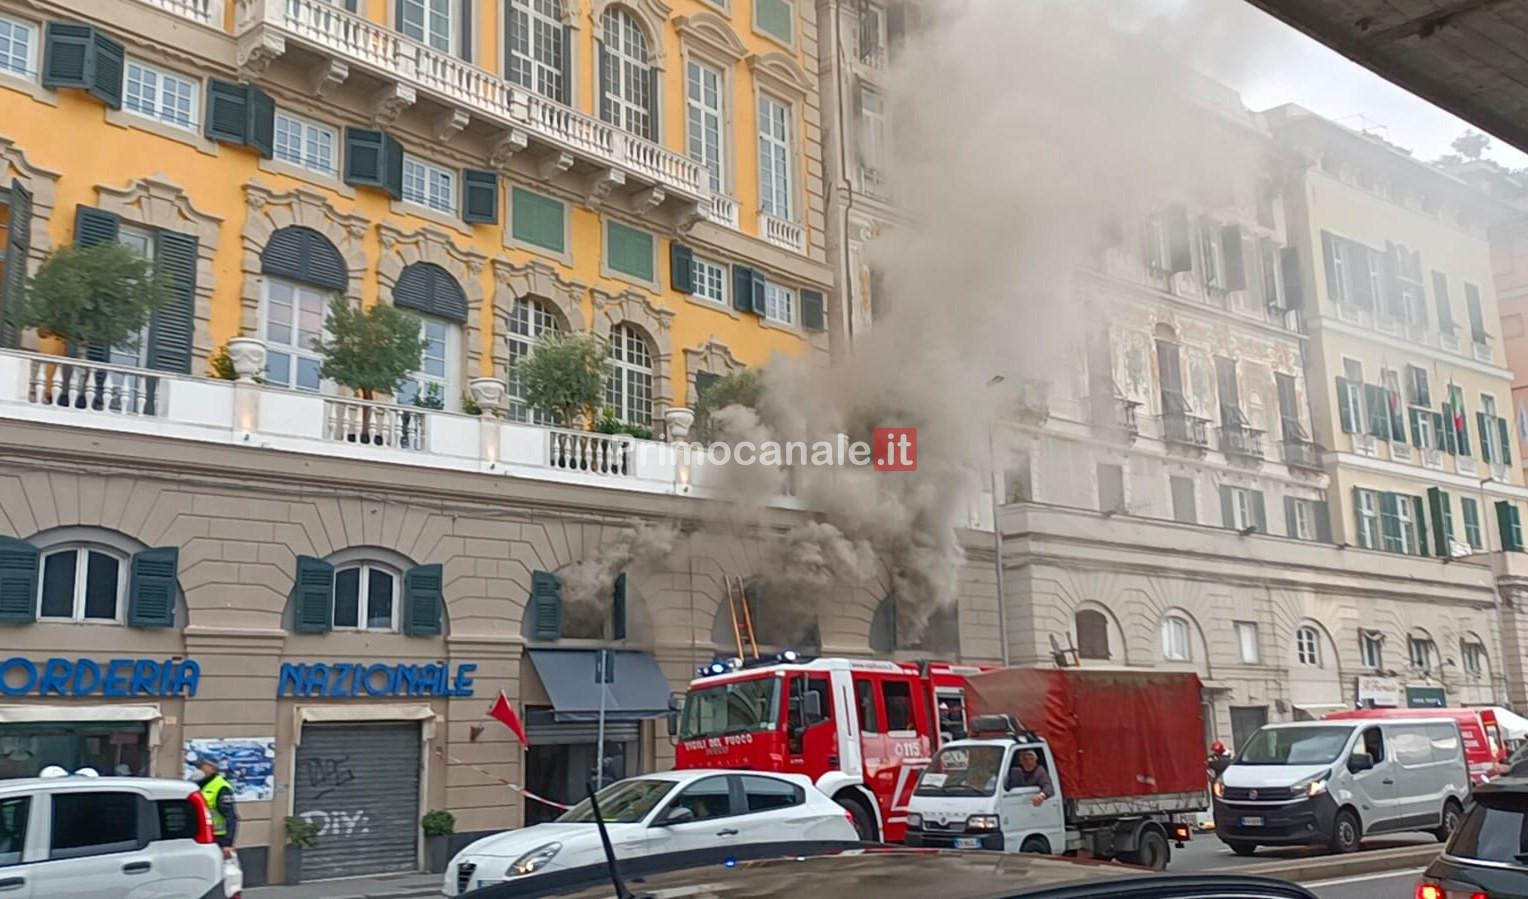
(96,823)
(367,590)
(87,575)
(13,828)
(112,749)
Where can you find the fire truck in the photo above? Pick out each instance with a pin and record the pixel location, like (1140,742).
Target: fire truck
(863,730)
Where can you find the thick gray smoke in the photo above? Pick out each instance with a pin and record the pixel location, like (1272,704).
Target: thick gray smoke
(587,584)
(1022,128)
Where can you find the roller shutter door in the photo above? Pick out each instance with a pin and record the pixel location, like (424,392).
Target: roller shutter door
(359,785)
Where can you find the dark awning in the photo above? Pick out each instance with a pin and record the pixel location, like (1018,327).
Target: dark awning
(640,691)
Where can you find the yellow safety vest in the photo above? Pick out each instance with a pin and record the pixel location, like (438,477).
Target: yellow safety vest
(210,790)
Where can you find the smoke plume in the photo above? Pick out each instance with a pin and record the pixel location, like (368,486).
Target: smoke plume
(587,584)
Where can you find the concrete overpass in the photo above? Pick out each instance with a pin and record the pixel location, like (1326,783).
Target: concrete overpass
(1467,56)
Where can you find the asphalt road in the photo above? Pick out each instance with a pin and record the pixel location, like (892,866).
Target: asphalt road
(1207,853)
(1368,886)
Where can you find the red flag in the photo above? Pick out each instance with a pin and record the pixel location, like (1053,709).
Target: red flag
(504,713)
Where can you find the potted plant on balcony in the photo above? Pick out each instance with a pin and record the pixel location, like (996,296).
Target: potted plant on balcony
(300,834)
(438,826)
(609,424)
(224,368)
(100,296)
(738,388)
(564,376)
(371,351)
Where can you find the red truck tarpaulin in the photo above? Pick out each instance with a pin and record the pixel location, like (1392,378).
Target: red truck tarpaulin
(1113,733)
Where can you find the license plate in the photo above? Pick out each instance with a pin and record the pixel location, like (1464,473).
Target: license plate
(481,884)
(968,843)
(1252,822)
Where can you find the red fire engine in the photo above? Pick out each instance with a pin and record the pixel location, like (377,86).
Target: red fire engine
(863,730)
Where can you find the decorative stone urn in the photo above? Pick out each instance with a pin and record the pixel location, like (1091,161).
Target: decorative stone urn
(677,421)
(488,393)
(248,357)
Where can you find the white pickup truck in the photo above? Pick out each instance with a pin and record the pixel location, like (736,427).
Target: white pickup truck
(964,800)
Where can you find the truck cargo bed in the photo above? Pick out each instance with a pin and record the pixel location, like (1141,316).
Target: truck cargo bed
(1083,810)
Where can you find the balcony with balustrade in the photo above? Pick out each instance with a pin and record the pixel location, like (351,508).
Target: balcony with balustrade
(333,46)
(1241,443)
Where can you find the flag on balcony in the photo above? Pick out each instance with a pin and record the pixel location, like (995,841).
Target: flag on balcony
(1455,408)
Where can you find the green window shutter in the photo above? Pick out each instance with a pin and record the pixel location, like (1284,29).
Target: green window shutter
(1291,516)
(1416,426)
(94,226)
(1227,507)
(172,326)
(464,45)
(261,136)
(313,596)
(681,267)
(1485,436)
(18,581)
(703,380)
(629,251)
(812,317)
(480,197)
(82,57)
(1358,521)
(567,64)
(392,169)
(1345,411)
(1323,514)
(537,220)
(1448,437)
(1397,417)
(18,244)
(545,606)
(108,72)
(1234,253)
(756,290)
(1508,522)
(1419,516)
(1259,511)
(1379,411)
(654,91)
(151,589)
(1294,284)
(1505,431)
(373,159)
(428,288)
(1439,438)
(423,601)
(618,608)
(227,111)
(775,18)
(1442,518)
(1464,435)
(742,288)
(1390,523)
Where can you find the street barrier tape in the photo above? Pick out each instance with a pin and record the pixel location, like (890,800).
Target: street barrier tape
(451,759)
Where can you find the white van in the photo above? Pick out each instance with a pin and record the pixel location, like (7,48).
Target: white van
(1331,783)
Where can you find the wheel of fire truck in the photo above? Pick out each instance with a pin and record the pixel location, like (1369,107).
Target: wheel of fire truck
(1150,849)
(1037,845)
(864,819)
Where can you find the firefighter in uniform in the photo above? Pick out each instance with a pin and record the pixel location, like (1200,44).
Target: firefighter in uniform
(218,793)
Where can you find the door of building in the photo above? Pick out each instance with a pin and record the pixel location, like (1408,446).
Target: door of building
(1245,721)
(358,783)
(562,757)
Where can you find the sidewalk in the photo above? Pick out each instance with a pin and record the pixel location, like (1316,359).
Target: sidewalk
(390,886)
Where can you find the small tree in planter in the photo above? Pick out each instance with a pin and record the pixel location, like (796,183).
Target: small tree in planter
(371,351)
(738,388)
(100,296)
(438,826)
(564,376)
(300,834)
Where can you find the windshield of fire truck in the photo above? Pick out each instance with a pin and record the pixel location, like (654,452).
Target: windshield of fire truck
(735,707)
(962,771)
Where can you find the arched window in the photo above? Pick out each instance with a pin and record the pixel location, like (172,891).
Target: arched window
(1177,644)
(82,582)
(1092,634)
(431,292)
(1308,646)
(627,88)
(630,389)
(528,320)
(367,589)
(365,597)
(536,48)
(302,271)
(86,574)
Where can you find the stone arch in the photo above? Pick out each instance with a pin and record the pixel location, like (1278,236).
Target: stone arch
(778,70)
(430,244)
(120,545)
(1199,651)
(1117,648)
(157,202)
(636,308)
(940,634)
(269,212)
(711,33)
(713,357)
(650,15)
(776,624)
(535,279)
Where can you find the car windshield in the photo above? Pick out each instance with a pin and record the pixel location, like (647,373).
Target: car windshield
(735,707)
(1495,830)
(962,771)
(1294,746)
(626,802)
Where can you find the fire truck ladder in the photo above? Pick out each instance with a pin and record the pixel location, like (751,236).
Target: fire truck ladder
(742,625)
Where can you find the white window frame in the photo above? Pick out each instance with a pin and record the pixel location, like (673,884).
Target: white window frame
(777,187)
(311,136)
(292,350)
(874,57)
(710,280)
(422,380)
(433,187)
(29,66)
(1308,646)
(627,78)
(524,328)
(779,299)
(1478,532)
(1339,273)
(1158,243)
(1408,527)
(81,569)
(1491,437)
(699,115)
(134,352)
(1421,652)
(1472,657)
(1371,650)
(626,345)
(423,30)
(1305,519)
(873,140)
(541,62)
(1368,519)
(163,81)
(1177,639)
(1241,508)
(1210,253)
(363,585)
(1247,642)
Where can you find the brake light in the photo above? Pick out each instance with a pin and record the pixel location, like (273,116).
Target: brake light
(1426,890)
(204,832)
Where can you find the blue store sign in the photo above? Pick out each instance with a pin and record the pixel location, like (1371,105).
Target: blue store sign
(342,679)
(21,676)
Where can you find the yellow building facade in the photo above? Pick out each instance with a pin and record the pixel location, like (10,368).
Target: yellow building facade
(645,171)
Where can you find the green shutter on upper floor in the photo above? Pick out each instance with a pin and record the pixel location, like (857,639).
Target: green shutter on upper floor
(480,197)
(1419,516)
(1291,518)
(618,608)
(18,581)
(775,18)
(1505,430)
(95,226)
(538,220)
(681,267)
(1259,511)
(1346,414)
(1483,421)
(545,606)
(1227,507)
(423,601)
(313,596)
(812,312)
(1416,416)
(83,57)
(629,251)
(172,327)
(152,587)
(1323,513)
(1391,537)
(1375,398)
(1440,504)
(1509,522)
(374,158)
(241,114)
(13,280)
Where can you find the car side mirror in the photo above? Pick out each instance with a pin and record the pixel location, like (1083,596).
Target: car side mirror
(813,701)
(673,724)
(679,814)
(1360,761)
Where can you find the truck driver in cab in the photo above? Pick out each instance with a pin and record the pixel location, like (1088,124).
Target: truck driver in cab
(1028,773)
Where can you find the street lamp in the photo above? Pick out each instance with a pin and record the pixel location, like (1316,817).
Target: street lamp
(997,530)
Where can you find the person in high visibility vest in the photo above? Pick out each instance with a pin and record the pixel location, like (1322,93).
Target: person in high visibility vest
(219,795)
